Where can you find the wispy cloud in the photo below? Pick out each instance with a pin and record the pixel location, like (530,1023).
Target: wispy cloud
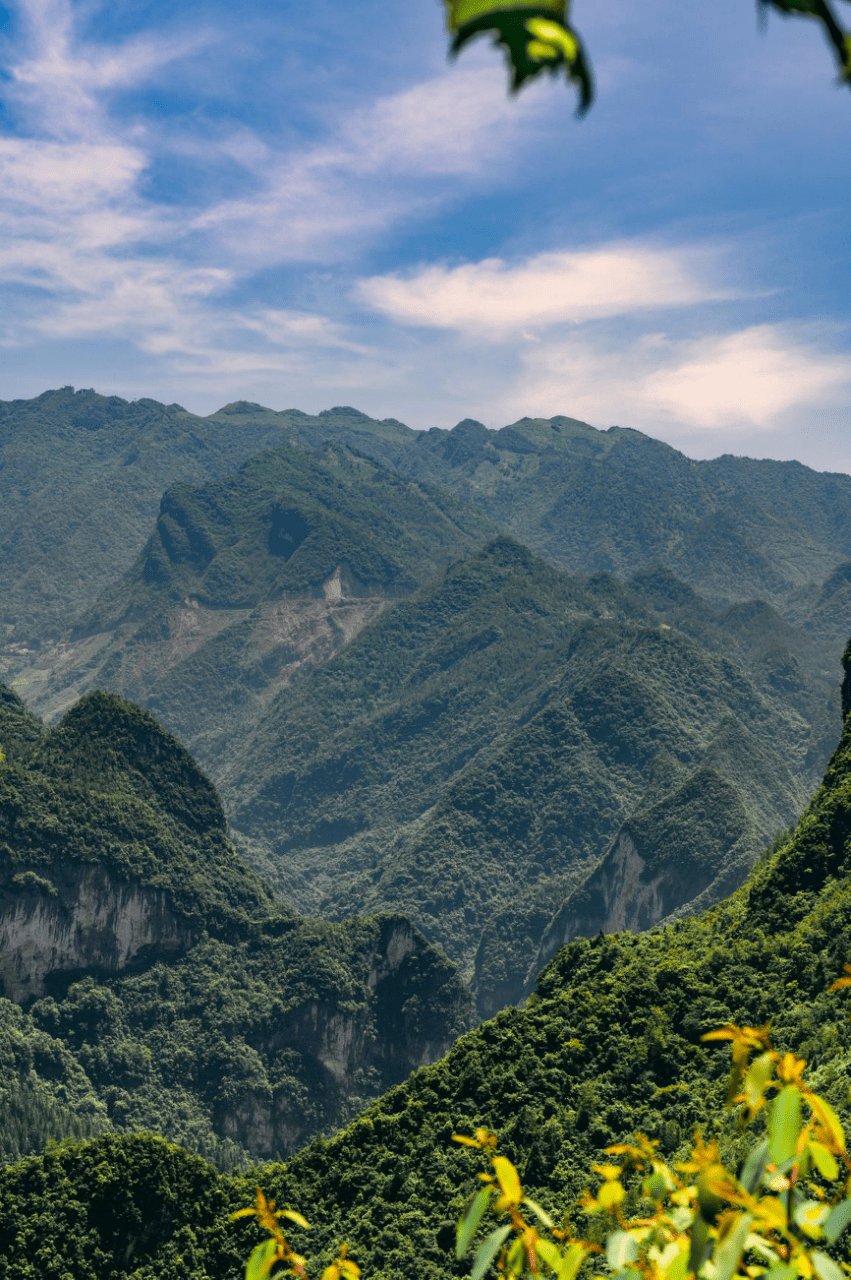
(86,249)
(548,289)
(752,378)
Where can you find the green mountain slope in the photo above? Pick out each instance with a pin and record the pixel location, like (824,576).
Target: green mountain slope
(247,582)
(81,477)
(164,985)
(617,501)
(610,1044)
(470,756)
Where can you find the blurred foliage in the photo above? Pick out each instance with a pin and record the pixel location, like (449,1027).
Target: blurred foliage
(537,37)
(789,1201)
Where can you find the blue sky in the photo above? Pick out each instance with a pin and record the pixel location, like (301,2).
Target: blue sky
(307,205)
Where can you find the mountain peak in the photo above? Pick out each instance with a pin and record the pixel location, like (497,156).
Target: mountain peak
(122,743)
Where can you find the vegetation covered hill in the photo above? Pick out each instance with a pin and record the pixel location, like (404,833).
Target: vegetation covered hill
(152,981)
(619,502)
(81,477)
(249,581)
(610,1044)
(470,756)
(510,733)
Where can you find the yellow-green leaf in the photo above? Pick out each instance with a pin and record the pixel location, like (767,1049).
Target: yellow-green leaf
(728,1255)
(506,1176)
(295,1217)
(824,1160)
(826,1268)
(540,1214)
(569,1266)
(784,1127)
(468,1224)
(610,1194)
(828,1119)
(262,1260)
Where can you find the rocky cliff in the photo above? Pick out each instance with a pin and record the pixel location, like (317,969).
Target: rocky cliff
(69,919)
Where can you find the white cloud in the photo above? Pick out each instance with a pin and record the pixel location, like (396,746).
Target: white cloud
(322,202)
(548,289)
(86,250)
(753,377)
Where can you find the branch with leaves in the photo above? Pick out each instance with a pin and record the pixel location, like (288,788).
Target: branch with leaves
(777,1217)
(537,37)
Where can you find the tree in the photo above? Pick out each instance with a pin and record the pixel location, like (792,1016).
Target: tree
(537,36)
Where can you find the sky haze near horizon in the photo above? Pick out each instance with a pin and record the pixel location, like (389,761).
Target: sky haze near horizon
(308,205)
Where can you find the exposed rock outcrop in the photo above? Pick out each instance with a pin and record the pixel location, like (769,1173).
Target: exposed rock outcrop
(75,918)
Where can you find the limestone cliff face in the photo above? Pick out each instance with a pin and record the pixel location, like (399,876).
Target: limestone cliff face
(619,895)
(78,917)
(406,1023)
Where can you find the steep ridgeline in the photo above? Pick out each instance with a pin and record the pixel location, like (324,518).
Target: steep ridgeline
(619,502)
(471,755)
(609,1045)
(165,986)
(81,477)
(248,582)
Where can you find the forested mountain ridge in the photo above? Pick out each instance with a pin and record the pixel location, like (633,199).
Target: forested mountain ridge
(81,477)
(610,1044)
(165,986)
(471,754)
(247,582)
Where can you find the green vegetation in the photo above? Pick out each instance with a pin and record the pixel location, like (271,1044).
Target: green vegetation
(468,758)
(610,1045)
(248,582)
(166,988)
(466,740)
(82,478)
(537,38)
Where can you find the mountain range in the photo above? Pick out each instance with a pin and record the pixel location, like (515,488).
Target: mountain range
(609,1044)
(502,682)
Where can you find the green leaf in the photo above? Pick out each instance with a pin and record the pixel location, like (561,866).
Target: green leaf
(506,1176)
(571,1262)
(515,1259)
(758,1076)
(468,1224)
(826,1268)
(753,1171)
(782,1273)
(824,1161)
(548,1253)
(540,1214)
(295,1217)
(828,1117)
(621,1250)
(262,1260)
(784,1128)
(678,1269)
(463,11)
(837,1220)
(728,1255)
(536,37)
(488,1250)
(699,1243)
